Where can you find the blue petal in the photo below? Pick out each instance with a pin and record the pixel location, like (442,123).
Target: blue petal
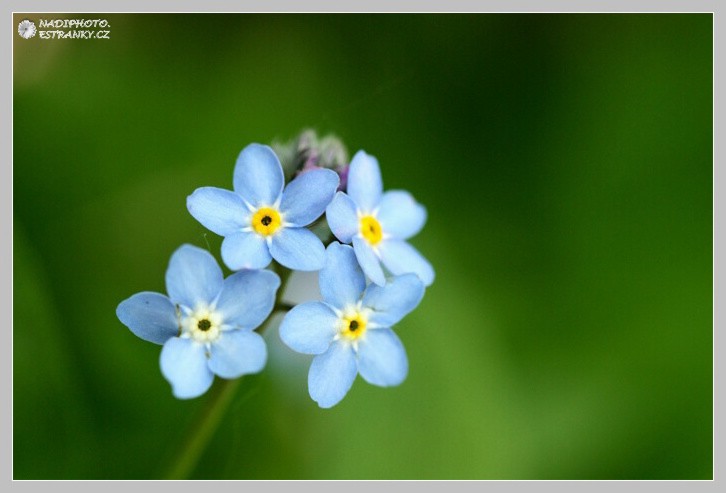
(400,215)
(393,301)
(193,276)
(306,197)
(184,365)
(247,298)
(381,358)
(342,217)
(368,261)
(400,258)
(364,181)
(309,327)
(237,353)
(245,251)
(220,211)
(332,374)
(150,316)
(341,279)
(258,175)
(298,249)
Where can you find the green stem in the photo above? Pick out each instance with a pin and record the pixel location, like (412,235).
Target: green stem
(284,274)
(203,428)
(283,307)
(218,400)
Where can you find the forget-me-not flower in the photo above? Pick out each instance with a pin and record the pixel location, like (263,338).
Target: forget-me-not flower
(261,221)
(349,331)
(206,323)
(377,223)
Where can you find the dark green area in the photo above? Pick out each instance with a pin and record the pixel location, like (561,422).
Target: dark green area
(566,165)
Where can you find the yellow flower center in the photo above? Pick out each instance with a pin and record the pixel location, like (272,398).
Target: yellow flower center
(353,326)
(266,221)
(371,230)
(203,325)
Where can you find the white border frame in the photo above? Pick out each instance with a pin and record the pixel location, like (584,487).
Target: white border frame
(330,6)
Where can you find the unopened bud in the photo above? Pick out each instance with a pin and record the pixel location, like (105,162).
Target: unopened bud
(308,152)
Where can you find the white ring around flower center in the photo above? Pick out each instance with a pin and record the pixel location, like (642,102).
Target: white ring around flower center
(202,325)
(353,324)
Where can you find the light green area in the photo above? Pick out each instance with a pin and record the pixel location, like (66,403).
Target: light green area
(566,165)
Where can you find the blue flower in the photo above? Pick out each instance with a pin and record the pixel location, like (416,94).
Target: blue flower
(349,331)
(206,323)
(377,223)
(260,221)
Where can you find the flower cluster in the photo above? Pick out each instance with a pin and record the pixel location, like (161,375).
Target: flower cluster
(369,279)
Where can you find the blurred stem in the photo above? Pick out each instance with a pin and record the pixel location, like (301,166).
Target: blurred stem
(284,274)
(218,400)
(283,307)
(203,428)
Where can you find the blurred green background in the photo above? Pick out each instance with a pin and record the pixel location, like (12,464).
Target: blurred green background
(566,164)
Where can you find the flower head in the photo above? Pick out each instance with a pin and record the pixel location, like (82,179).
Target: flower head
(205,323)
(261,221)
(378,224)
(349,331)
